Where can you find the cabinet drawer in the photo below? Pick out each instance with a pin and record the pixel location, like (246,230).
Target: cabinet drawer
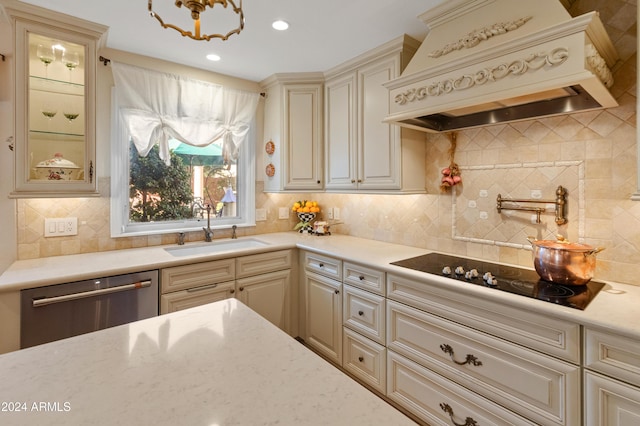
(262,263)
(427,395)
(364,278)
(560,338)
(323,265)
(197,275)
(610,402)
(184,299)
(612,355)
(364,312)
(365,359)
(539,387)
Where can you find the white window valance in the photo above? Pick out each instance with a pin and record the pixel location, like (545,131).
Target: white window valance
(156,107)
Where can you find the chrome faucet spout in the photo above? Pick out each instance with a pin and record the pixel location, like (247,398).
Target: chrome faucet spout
(208,232)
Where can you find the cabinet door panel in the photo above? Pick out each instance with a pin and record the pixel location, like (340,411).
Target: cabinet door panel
(268,295)
(609,402)
(324,316)
(340,125)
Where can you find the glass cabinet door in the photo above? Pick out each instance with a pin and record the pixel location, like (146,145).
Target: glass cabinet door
(55,111)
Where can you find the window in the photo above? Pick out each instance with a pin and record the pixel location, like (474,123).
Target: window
(181,148)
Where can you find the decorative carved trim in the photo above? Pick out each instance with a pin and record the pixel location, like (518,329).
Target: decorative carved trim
(534,61)
(474,38)
(598,65)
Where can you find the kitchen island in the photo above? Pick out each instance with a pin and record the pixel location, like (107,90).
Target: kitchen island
(217,364)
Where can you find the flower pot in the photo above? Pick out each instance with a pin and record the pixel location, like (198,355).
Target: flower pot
(305,226)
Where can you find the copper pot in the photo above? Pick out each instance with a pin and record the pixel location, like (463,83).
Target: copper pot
(562,262)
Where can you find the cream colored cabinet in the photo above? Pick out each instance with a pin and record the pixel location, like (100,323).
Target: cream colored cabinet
(611,379)
(293,123)
(511,361)
(187,286)
(362,152)
(264,284)
(323,305)
(55,98)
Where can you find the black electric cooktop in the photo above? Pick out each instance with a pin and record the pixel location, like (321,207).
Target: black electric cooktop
(498,277)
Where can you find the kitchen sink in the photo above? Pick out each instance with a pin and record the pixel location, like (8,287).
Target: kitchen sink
(214,247)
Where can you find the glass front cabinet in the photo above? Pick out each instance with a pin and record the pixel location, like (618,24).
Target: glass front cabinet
(55,104)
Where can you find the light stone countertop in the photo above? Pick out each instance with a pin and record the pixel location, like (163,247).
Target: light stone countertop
(217,364)
(613,309)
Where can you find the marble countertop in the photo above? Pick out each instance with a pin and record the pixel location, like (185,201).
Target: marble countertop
(217,364)
(613,309)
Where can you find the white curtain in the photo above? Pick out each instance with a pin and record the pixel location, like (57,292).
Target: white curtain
(157,106)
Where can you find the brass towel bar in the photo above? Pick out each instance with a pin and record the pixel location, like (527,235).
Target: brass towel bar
(559,202)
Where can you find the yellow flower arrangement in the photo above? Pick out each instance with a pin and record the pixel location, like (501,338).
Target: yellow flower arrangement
(305,207)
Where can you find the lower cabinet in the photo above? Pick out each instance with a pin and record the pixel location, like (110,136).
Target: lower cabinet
(261,281)
(611,379)
(269,295)
(324,316)
(365,359)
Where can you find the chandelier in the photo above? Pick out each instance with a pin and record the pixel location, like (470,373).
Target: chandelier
(197,7)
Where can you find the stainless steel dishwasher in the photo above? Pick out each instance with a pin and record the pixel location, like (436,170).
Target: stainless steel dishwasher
(58,311)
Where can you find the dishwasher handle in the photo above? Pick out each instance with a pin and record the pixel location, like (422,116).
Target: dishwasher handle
(68,297)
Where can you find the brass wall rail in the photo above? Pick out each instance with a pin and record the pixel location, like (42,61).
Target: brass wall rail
(559,203)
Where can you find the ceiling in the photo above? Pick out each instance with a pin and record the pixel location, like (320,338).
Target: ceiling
(322,34)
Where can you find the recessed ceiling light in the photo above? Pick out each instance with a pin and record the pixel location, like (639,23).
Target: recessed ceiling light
(213,57)
(280,25)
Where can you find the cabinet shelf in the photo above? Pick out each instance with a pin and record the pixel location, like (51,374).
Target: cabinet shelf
(57,136)
(49,85)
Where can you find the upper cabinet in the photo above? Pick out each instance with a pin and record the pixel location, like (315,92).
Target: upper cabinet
(55,97)
(361,151)
(293,132)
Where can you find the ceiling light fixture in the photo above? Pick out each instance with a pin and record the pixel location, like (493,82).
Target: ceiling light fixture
(213,57)
(280,25)
(197,7)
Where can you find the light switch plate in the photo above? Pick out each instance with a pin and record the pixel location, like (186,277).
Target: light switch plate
(283,213)
(60,227)
(261,215)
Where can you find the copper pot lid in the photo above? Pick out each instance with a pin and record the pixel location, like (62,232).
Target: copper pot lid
(562,244)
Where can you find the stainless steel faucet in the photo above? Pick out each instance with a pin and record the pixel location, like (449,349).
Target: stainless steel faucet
(233,232)
(208,232)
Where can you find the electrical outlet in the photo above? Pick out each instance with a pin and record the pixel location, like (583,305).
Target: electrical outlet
(283,213)
(329,213)
(336,213)
(261,215)
(60,227)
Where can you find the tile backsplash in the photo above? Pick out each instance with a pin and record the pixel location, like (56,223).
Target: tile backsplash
(592,154)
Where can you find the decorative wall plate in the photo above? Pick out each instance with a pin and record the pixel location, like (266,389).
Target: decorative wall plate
(270,147)
(270,170)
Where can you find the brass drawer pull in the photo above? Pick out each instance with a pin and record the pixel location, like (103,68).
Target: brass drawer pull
(447,409)
(470,359)
(360,313)
(360,358)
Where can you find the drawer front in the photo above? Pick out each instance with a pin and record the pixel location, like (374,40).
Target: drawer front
(616,356)
(185,299)
(365,359)
(197,275)
(439,401)
(364,278)
(364,312)
(323,265)
(262,263)
(536,386)
(559,338)
(610,402)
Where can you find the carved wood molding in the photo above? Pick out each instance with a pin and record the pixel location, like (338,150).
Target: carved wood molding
(475,37)
(534,61)
(598,65)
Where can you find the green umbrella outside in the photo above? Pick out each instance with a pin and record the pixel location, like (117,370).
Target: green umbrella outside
(210,155)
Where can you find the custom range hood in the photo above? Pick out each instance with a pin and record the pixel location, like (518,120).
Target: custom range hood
(494,61)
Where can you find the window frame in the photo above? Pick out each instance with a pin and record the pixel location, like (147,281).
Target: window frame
(119,216)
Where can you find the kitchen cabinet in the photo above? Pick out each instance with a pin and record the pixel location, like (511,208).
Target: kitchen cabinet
(442,332)
(264,284)
(186,286)
(611,379)
(55,98)
(361,151)
(261,281)
(364,351)
(323,305)
(293,123)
